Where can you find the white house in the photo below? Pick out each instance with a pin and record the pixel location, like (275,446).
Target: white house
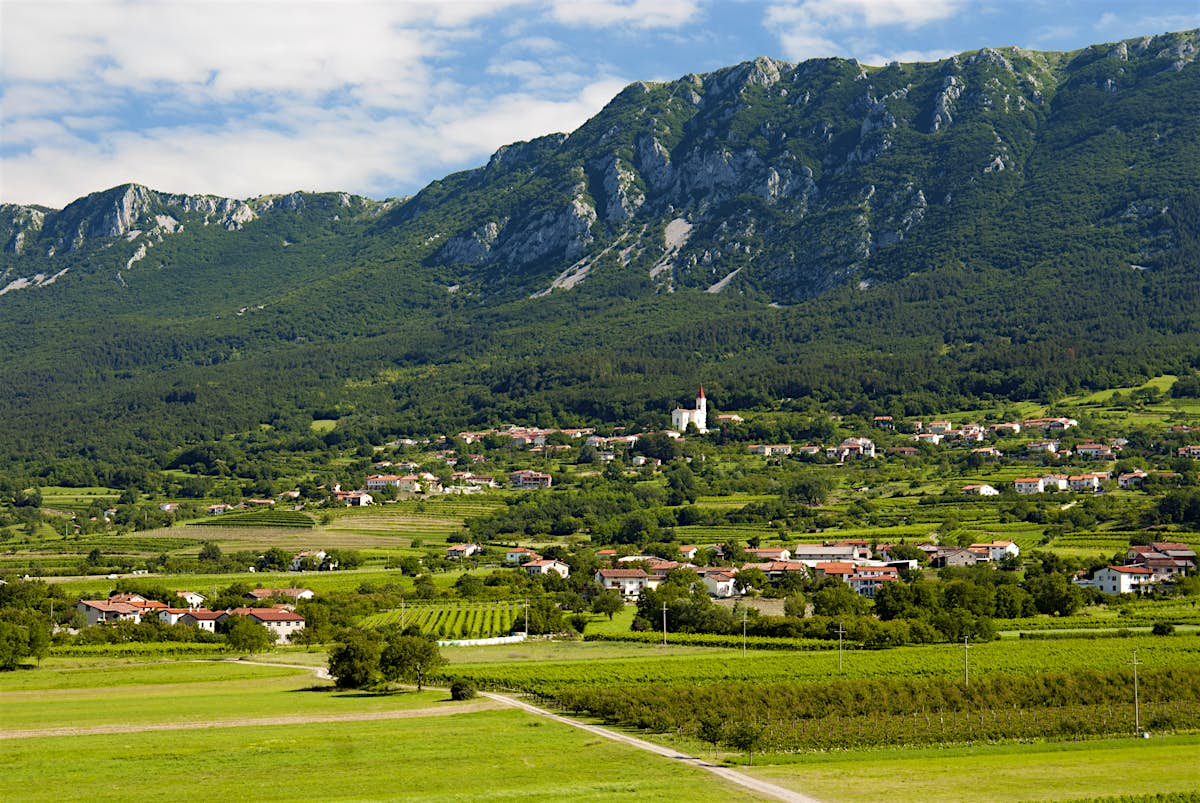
(191,598)
(520,554)
(99,611)
(681,417)
(1029,485)
(771,553)
(865,583)
(202,618)
(998,550)
(817,553)
(1121,579)
(722,585)
(378,482)
(283,625)
(851,447)
(455,551)
(770,449)
(1085,482)
(627,582)
(1055,482)
(1131,479)
(980,490)
(1042,446)
(547,567)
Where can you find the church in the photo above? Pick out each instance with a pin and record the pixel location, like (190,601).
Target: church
(680,417)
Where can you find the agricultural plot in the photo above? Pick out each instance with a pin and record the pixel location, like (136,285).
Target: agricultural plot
(259,518)
(454,621)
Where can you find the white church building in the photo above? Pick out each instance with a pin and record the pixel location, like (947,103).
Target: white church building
(680,417)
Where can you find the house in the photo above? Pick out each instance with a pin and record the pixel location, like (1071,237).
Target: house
(527,479)
(815,553)
(980,490)
(354,498)
(769,450)
(1095,451)
(311,559)
(904,451)
(953,556)
(681,417)
(547,567)
(520,554)
(171,616)
(1165,559)
(730,418)
(268,593)
(932,438)
(688,551)
(102,611)
(988,451)
(1042,446)
(1055,482)
(1051,424)
(1131,479)
(1085,483)
(202,618)
(282,624)
(192,599)
(1192,451)
(998,550)
(219,508)
(168,507)
(378,482)
(721,585)
(626,582)
(458,551)
(851,448)
(840,569)
(778,569)
(771,553)
(884,422)
(1122,579)
(867,580)
(807,450)
(1007,428)
(1029,485)
(939,427)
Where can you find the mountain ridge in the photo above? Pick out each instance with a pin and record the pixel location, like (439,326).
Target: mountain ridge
(823,228)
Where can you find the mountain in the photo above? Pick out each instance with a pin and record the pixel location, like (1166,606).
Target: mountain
(999,224)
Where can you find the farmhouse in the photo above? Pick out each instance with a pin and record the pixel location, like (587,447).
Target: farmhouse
(282,624)
(816,553)
(527,479)
(722,585)
(520,554)
(1029,485)
(980,490)
(1131,479)
(202,618)
(268,593)
(99,611)
(192,599)
(769,450)
(851,448)
(535,567)
(626,582)
(997,550)
(457,551)
(771,553)
(1122,579)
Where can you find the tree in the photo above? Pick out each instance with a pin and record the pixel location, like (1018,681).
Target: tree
(795,604)
(608,603)
(747,736)
(210,552)
(748,579)
(838,600)
(711,729)
(354,662)
(410,658)
(243,634)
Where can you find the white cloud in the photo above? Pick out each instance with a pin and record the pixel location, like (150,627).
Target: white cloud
(906,56)
(812,28)
(632,13)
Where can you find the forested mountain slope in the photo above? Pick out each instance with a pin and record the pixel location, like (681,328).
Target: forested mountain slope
(1003,223)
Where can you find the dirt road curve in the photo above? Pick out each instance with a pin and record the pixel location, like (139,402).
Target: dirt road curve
(733,776)
(100,730)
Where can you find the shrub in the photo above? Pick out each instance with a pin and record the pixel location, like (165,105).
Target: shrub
(462,690)
(1163,629)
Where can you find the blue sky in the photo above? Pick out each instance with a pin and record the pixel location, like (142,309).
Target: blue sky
(246,97)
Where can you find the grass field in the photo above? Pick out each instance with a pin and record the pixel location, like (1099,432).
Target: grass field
(1038,771)
(439,751)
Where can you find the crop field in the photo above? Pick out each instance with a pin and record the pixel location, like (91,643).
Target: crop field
(258,518)
(453,621)
(941,660)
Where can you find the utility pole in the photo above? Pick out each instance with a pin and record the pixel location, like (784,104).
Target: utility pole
(527,617)
(1137,708)
(743,632)
(841,631)
(664,624)
(966,661)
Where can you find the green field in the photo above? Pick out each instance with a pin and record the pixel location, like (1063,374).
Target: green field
(194,749)
(460,620)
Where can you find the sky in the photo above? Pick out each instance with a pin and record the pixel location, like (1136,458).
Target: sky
(247,97)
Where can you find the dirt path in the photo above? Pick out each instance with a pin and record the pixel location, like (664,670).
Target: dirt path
(764,788)
(298,719)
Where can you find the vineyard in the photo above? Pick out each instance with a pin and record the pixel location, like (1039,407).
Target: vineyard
(453,621)
(1009,657)
(259,518)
